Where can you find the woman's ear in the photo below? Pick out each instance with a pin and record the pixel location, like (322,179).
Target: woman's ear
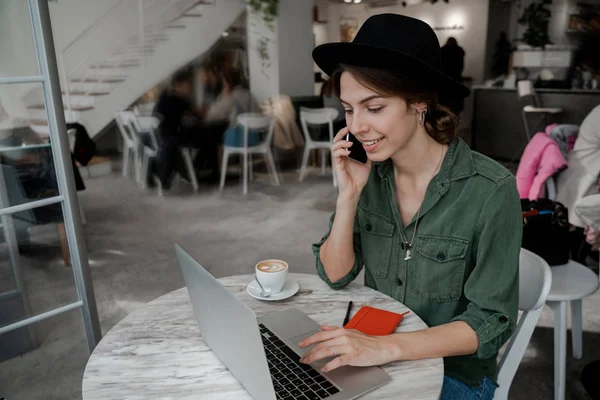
(419,107)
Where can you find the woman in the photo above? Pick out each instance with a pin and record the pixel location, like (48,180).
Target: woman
(435,225)
(233,100)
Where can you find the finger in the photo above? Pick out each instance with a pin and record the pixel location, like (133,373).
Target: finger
(342,144)
(340,154)
(337,362)
(319,337)
(341,133)
(331,350)
(329,327)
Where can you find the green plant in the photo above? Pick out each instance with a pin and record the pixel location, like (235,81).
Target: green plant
(537,17)
(268,9)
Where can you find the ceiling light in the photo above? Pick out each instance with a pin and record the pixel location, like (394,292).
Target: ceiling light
(347,1)
(225,34)
(357,1)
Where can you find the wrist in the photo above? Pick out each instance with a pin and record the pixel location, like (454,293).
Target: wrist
(392,346)
(347,200)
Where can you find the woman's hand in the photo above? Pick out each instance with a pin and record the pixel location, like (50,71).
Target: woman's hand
(351,175)
(350,346)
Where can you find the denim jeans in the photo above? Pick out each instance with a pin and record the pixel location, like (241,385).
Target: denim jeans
(453,389)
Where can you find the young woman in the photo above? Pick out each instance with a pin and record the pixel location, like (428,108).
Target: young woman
(435,225)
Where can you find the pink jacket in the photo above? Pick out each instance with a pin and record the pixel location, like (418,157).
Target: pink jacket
(541,159)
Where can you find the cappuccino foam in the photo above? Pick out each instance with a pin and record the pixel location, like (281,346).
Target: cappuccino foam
(272,266)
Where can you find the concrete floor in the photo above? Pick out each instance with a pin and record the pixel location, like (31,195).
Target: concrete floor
(130,236)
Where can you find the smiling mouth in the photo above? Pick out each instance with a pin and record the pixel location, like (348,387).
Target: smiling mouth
(371,142)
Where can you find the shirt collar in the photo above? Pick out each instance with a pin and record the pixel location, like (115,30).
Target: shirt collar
(458,164)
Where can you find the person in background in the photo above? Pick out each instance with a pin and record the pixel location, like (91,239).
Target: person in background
(172,106)
(208,87)
(453,62)
(233,100)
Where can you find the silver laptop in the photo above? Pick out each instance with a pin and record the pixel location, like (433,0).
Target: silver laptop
(263,353)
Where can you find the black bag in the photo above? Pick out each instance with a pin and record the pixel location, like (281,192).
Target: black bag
(546,230)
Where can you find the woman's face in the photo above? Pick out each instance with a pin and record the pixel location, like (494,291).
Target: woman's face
(383,124)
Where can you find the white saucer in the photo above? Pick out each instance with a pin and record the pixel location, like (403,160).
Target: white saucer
(289,289)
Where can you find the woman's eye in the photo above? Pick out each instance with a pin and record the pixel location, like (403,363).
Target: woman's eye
(375,110)
(348,112)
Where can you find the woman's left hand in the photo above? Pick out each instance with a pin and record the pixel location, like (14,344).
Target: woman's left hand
(350,346)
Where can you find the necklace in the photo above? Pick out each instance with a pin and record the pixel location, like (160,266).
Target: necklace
(406,243)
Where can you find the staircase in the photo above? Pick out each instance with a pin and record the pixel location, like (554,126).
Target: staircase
(131,48)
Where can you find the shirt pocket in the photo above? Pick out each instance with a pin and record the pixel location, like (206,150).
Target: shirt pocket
(376,241)
(439,268)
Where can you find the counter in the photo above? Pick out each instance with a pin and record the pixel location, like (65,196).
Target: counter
(497,127)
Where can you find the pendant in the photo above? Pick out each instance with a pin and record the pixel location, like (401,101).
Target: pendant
(408,257)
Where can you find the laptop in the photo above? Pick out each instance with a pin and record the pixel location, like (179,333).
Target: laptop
(263,353)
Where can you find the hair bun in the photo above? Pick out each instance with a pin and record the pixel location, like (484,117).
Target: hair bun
(441,124)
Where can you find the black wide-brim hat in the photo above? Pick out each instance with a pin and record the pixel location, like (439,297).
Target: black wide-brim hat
(394,42)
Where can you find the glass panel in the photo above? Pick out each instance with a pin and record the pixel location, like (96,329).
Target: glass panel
(43,260)
(28,172)
(16,40)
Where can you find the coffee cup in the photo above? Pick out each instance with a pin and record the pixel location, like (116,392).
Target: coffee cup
(272,274)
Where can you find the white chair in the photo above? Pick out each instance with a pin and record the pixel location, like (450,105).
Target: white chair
(252,121)
(317,116)
(149,124)
(525,90)
(131,143)
(535,279)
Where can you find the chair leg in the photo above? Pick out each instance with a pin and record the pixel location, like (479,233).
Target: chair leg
(245,173)
(323,158)
(64,245)
(333,172)
(272,166)
(144,178)
(250,170)
(304,165)
(576,329)
(125,166)
(187,157)
(560,347)
(224,159)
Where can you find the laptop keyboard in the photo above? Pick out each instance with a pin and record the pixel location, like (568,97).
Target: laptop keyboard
(291,378)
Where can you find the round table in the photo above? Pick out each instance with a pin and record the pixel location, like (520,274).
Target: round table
(157,352)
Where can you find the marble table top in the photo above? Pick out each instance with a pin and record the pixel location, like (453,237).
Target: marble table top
(157,352)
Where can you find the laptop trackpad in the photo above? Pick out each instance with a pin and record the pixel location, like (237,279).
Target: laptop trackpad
(297,339)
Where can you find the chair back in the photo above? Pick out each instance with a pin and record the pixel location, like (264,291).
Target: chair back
(124,120)
(71,134)
(317,116)
(535,279)
(256,121)
(525,90)
(149,124)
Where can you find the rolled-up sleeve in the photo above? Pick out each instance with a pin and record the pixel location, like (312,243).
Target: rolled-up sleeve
(492,288)
(358,261)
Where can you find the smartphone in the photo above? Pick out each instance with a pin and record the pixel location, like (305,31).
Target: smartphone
(357,152)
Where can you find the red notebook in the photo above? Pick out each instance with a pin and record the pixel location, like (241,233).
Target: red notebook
(375,322)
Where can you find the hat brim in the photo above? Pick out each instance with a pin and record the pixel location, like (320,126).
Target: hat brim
(329,56)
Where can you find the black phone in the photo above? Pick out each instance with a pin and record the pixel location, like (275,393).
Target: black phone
(357,152)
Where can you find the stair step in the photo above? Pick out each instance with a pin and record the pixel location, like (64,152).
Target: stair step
(43,107)
(192,15)
(38,122)
(93,80)
(173,26)
(115,66)
(79,93)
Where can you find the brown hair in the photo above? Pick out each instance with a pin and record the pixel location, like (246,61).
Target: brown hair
(440,123)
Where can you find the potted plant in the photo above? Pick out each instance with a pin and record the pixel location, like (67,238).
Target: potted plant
(537,17)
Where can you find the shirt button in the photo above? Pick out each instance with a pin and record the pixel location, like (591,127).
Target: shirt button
(368,228)
(441,256)
(399,282)
(503,319)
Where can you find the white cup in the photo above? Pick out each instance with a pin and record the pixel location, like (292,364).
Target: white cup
(272,274)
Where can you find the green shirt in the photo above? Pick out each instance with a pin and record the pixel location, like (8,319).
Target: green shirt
(465,256)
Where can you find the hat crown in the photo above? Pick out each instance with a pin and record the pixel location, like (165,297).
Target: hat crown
(401,33)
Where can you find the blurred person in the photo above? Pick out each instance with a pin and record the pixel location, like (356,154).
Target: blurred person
(233,100)
(208,87)
(172,106)
(453,62)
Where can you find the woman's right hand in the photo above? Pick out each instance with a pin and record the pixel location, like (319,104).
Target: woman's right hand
(351,175)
